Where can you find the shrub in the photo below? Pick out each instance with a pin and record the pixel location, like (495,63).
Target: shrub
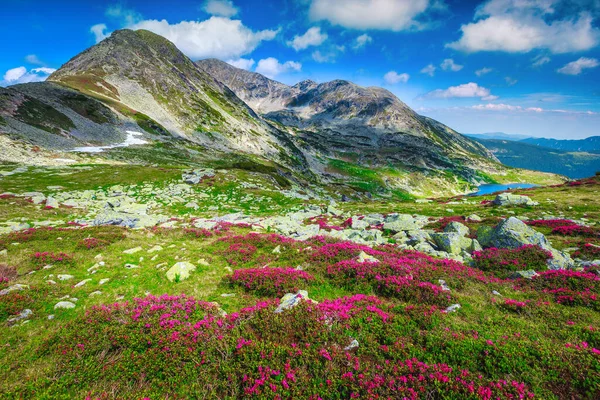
(503,261)
(588,251)
(44,258)
(270,281)
(575,230)
(92,243)
(7,273)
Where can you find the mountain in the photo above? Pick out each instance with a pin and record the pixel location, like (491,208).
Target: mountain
(529,156)
(332,133)
(496,135)
(344,118)
(591,144)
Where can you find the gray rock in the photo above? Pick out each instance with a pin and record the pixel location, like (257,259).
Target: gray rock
(51,202)
(64,277)
(509,199)
(359,223)
(353,345)
(291,300)
(402,222)
(64,305)
(452,308)
(364,257)
(26,313)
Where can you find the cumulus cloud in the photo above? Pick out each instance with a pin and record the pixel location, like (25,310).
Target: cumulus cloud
(470,89)
(99,32)
(483,71)
(361,41)
(217,37)
(577,67)
(519,26)
(221,8)
(449,65)
(429,70)
(242,63)
(394,15)
(312,37)
(271,67)
(392,78)
(22,75)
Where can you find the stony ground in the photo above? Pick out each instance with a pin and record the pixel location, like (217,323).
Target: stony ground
(169,282)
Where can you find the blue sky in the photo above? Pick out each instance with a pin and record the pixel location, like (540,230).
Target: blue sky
(518,66)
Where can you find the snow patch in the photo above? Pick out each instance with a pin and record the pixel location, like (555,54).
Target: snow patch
(129,141)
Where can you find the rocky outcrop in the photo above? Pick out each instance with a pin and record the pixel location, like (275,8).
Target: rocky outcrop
(509,199)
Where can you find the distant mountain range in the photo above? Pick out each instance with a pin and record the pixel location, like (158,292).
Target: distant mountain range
(591,144)
(496,136)
(520,154)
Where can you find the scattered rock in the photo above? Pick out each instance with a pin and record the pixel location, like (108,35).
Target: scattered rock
(131,266)
(133,251)
(64,277)
(154,249)
(445,287)
(353,345)
(51,202)
(457,227)
(83,282)
(16,286)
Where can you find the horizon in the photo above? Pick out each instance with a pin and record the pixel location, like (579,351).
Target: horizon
(534,74)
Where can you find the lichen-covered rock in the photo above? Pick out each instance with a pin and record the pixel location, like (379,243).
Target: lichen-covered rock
(452,242)
(291,300)
(509,199)
(457,227)
(66,305)
(180,271)
(529,274)
(403,222)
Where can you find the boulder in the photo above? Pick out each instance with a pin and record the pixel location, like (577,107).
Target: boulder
(509,199)
(359,223)
(402,222)
(457,227)
(180,271)
(513,233)
(452,243)
(529,274)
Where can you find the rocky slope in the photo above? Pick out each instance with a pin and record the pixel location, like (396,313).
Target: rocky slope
(345,117)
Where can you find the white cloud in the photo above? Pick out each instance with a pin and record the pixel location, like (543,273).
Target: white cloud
(429,70)
(540,60)
(328,55)
(33,59)
(510,81)
(449,65)
(394,15)
(242,63)
(221,8)
(99,31)
(125,15)
(271,67)
(392,78)
(470,89)
(215,37)
(577,67)
(509,107)
(483,71)
(22,75)
(519,26)
(361,41)
(312,37)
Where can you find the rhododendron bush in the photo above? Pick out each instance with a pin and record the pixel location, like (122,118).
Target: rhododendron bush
(270,281)
(502,261)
